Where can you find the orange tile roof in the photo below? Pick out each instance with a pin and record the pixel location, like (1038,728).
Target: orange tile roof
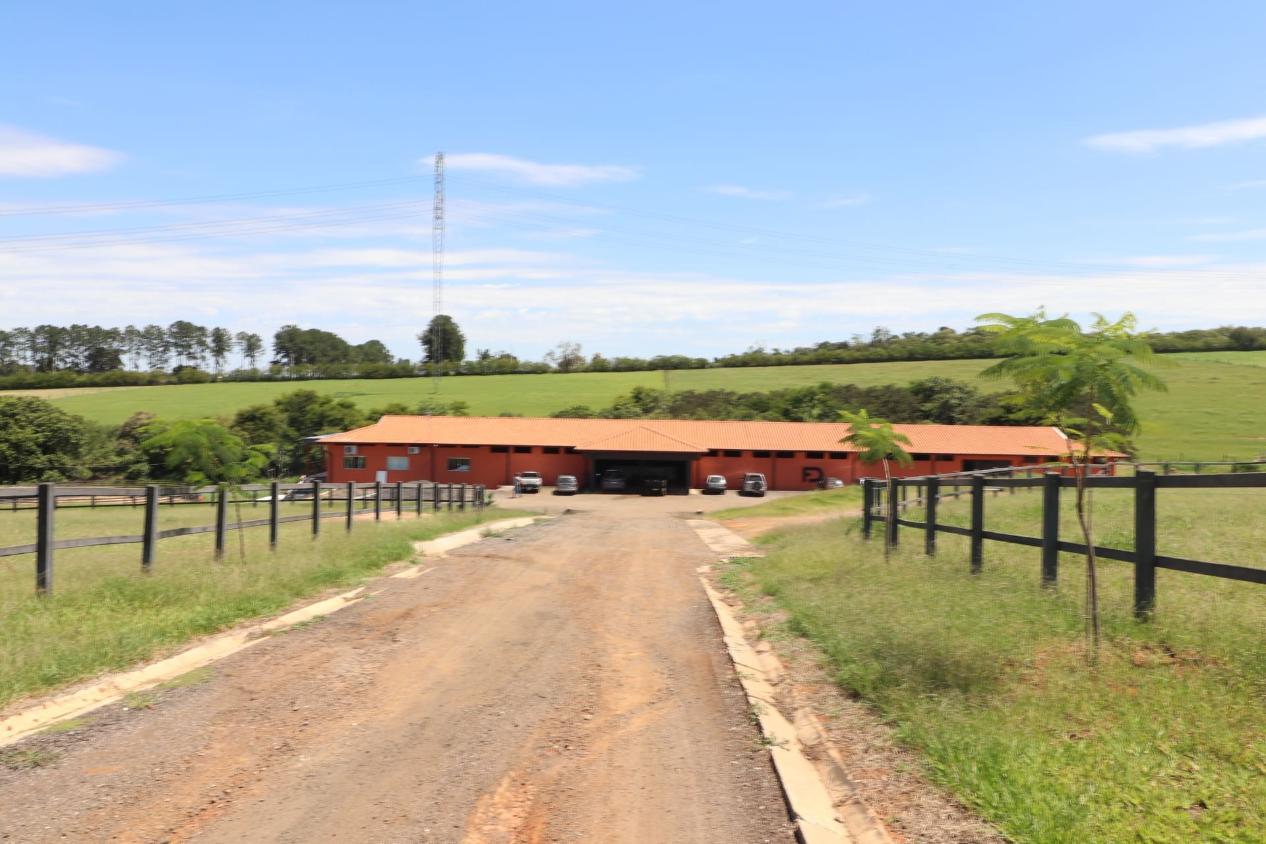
(681,435)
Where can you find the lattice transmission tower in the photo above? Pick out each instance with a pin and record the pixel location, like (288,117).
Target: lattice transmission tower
(437,274)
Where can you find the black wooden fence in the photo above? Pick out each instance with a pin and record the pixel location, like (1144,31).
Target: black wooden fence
(885,503)
(327,501)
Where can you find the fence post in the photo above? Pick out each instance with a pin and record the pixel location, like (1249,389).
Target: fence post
(1050,529)
(448,496)
(46,502)
(221,519)
(932,491)
(461,498)
(890,527)
(150,537)
(1144,545)
(977,523)
(399,494)
(435,496)
(274,511)
(868,505)
(316,509)
(377,501)
(351,503)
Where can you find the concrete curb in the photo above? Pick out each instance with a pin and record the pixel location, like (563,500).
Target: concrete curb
(821,795)
(113,687)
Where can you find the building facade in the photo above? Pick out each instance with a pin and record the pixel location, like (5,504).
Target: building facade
(791,455)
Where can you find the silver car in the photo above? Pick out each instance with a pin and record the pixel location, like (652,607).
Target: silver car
(566,485)
(714,485)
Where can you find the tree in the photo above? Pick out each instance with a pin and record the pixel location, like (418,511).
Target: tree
(878,440)
(372,351)
(249,346)
(221,345)
(156,345)
(443,341)
(1086,381)
(200,451)
(38,441)
(566,356)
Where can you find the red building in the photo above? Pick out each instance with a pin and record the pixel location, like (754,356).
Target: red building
(791,455)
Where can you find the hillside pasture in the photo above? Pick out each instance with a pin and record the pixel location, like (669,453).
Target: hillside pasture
(1213,409)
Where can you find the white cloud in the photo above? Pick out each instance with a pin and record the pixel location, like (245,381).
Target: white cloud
(1163,261)
(1251,184)
(847,201)
(1230,237)
(748,193)
(1185,137)
(536,173)
(23,154)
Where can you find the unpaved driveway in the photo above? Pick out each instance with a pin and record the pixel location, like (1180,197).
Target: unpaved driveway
(567,683)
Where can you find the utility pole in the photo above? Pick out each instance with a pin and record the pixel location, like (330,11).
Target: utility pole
(437,273)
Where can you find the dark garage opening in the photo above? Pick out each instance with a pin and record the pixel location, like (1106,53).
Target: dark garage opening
(638,470)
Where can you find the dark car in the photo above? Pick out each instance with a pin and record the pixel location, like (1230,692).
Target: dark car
(654,486)
(613,480)
(754,484)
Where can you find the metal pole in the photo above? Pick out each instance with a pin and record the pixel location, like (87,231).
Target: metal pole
(1050,529)
(221,519)
(932,491)
(316,509)
(977,523)
(274,507)
(150,537)
(1144,545)
(46,504)
(351,499)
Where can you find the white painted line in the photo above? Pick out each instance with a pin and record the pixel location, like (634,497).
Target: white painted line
(723,542)
(441,546)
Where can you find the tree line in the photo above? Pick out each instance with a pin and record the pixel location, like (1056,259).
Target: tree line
(185,352)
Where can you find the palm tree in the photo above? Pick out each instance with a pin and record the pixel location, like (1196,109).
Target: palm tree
(878,441)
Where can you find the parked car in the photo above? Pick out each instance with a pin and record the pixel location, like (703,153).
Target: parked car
(714,485)
(830,483)
(754,484)
(613,480)
(566,485)
(528,481)
(654,486)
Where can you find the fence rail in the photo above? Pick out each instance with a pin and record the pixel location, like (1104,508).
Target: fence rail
(419,497)
(1144,556)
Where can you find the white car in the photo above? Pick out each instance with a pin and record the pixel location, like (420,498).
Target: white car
(528,481)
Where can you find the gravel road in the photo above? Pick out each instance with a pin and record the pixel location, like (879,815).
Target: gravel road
(566,683)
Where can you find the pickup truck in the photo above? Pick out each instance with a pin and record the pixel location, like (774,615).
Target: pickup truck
(528,481)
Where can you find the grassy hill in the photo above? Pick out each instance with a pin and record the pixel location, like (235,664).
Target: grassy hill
(1214,407)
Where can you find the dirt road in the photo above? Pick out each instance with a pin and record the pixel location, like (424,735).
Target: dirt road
(567,683)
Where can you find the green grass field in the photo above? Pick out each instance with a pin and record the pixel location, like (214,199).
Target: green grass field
(1165,741)
(1214,408)
(105,615)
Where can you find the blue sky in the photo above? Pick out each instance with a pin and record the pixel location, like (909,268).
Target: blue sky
(658,178)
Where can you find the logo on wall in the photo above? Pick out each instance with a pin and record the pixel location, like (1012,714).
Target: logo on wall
(811,474)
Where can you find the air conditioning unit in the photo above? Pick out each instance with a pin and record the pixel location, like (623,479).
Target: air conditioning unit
(349,449)
(415,449)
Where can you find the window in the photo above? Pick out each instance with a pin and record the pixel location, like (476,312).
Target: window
(920,457)
(500,449)
(839,455)
(397,464)
(353,462)
(712,452)
(814,455)
(551,449)
(944,457)
(523,449)
(785,454)
(760,453)
(732,453)
(459,464)
(415,449)
(349,449)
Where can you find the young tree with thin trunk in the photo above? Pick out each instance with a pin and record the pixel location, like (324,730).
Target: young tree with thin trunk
(1085,381)
(878,441)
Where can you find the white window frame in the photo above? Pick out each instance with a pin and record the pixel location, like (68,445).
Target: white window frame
(397,468)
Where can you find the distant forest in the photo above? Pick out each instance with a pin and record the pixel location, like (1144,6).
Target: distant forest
(184,352)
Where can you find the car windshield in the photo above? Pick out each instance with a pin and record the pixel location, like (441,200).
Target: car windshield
(712,479)
(529,474)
